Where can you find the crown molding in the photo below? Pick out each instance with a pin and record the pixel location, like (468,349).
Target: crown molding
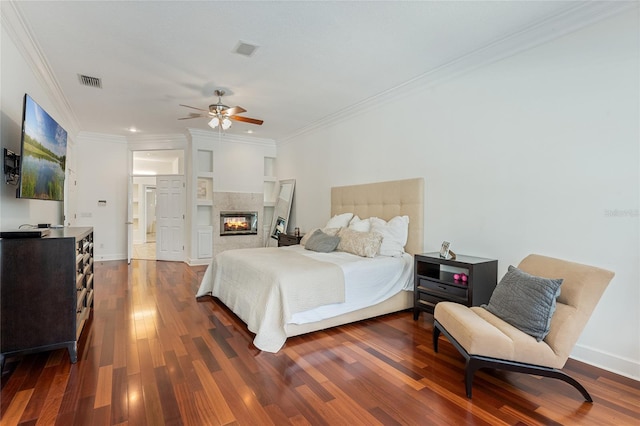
(101,137)
(215,137)
(18,29)
(159,138)
(581,15)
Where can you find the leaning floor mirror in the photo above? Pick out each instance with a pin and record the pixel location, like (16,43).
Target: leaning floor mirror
(282,208)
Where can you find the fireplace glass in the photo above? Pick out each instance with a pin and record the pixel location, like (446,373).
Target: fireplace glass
(238,223)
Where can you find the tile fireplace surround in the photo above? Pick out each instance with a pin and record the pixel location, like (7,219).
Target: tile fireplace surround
(236,202)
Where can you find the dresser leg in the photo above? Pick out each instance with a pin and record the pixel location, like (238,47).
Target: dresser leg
(73,352)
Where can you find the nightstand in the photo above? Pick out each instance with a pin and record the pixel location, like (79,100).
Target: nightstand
(434,281)
(288,240)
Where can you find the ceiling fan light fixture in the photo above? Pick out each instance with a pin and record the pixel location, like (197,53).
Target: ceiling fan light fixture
(226,123)
(215,121)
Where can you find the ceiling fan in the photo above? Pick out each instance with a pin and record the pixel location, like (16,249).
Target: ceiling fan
(221,115)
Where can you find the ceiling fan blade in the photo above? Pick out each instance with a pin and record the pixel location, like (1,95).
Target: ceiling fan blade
(246,119)
(193,115)
(199,109)
(234,110)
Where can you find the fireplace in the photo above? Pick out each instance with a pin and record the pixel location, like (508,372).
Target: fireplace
(238,223)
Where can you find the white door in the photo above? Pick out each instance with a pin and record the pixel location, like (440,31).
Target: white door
(129,219)
(170,214)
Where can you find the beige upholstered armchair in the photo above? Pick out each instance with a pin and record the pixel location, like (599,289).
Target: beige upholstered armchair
(487,341)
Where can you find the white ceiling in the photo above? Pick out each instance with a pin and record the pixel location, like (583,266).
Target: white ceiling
(314,59)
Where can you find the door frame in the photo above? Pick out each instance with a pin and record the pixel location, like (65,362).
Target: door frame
(144,146)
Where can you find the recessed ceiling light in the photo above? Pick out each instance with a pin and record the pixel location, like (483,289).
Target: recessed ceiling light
(249,131)
(133,129)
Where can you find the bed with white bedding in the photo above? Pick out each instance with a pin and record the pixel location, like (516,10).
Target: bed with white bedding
(287,291)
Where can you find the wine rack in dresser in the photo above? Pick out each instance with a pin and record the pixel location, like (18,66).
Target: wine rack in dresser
(84,281)
(47,291)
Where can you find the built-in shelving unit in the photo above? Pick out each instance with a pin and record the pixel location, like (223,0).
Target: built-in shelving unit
(204,203)
(270,194)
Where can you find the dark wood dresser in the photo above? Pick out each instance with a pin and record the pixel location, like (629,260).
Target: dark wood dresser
(46,291)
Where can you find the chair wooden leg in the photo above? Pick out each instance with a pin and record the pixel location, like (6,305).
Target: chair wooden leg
(470,368)
(475,362)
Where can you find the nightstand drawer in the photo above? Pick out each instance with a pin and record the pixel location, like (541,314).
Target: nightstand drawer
(429,299)
(444,289)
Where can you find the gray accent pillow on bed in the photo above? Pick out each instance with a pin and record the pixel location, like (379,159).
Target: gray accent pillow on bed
(321,242)
(525,301)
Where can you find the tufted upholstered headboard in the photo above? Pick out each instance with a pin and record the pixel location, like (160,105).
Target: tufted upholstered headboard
(386,200)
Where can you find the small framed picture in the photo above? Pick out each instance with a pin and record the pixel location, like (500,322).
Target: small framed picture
(444,250)
(278,228)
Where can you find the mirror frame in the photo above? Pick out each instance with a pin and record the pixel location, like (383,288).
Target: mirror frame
(282,209)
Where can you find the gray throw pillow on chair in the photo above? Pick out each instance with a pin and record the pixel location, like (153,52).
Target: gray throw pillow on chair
(525,301)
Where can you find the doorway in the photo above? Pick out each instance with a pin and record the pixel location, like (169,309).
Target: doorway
(144,218)
(150,213)
(150,169)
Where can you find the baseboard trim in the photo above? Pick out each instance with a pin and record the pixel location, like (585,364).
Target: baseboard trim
(607,361)
(198,262)
(108,257)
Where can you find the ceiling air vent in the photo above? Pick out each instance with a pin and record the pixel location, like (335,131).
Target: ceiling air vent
(245,49)
(85,80)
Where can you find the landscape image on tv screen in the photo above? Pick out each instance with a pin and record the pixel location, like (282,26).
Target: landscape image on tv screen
(44,154)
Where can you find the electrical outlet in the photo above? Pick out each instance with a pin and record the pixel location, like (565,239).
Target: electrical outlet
(101,245)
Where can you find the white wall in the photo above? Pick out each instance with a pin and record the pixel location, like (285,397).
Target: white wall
(103,176)
(536,153)
(16,79)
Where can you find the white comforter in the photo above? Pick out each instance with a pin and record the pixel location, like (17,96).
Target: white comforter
(237,278)
(266,286)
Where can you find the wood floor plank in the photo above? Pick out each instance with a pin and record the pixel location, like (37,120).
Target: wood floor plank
(119,396)
(135,400)
(170,409)
(151,354)
(152,404)
(15,410)
(212,391)
(104,387)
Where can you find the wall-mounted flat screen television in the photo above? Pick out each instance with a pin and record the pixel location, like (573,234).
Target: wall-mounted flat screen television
(43,154)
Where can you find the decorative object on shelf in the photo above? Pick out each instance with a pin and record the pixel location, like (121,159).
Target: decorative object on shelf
(202,189)
(446,252)
(460,277)
(220,114)
(296,232)
(279,227)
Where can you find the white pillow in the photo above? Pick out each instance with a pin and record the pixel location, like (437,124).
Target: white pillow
(339,221)
(394,234)
(360,225)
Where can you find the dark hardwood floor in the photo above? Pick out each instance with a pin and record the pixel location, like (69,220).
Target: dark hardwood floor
(153,355)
